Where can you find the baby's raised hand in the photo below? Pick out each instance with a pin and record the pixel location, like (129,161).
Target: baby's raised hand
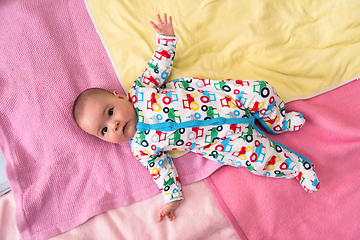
(164,27)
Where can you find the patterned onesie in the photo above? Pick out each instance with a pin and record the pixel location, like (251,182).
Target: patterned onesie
(214,118)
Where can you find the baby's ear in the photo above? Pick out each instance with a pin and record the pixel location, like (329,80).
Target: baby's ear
(121,96)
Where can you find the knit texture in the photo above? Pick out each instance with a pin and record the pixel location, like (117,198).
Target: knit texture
(61,176)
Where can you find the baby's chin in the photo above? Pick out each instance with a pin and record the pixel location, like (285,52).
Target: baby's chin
(131,130)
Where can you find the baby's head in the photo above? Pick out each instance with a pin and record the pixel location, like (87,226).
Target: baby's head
(108,116)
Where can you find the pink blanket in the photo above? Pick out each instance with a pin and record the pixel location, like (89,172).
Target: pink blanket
(138,220)
(60,176)
(264,208)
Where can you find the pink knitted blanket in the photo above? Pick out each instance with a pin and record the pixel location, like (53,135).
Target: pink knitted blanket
(60,176)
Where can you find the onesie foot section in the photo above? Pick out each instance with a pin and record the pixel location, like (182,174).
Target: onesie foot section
(307,176)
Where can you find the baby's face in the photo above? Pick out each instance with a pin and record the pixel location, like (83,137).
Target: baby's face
(110,117)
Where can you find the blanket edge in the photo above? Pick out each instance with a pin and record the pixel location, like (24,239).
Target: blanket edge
(105,45)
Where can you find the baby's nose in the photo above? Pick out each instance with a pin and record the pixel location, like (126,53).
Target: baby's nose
(115,125)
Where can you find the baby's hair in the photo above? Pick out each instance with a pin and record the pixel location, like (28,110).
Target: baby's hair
(79,103)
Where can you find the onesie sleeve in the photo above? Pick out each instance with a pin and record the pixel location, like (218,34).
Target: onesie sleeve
(160,64)
(163,172)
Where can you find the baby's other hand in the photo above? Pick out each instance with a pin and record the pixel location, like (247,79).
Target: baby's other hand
(164,27)
(168,210)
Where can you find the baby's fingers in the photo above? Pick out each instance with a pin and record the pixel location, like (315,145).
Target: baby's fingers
(159,19)
(154,25)
(160,218)
(162,214)
(170,216)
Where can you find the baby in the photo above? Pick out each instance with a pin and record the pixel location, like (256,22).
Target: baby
(214,118)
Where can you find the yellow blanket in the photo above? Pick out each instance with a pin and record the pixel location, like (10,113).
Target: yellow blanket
(302,47)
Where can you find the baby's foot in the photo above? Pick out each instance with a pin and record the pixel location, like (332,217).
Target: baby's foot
(294,120)
(307,176)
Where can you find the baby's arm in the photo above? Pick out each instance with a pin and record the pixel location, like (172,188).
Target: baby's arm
(164,173)
(159,66)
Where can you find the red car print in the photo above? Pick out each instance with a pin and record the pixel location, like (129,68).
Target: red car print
(160,55)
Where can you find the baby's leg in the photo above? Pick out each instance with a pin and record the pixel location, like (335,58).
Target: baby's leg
(263,157)
(283,160)
(261,99)
(269,109)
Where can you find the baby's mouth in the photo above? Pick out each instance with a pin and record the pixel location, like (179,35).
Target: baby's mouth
(123,129)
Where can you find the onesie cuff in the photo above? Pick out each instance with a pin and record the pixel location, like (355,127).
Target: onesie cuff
(172,195)
(173,199)
(165,40)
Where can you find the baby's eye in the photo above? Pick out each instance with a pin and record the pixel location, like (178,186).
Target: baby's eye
(111,112)
(104,130)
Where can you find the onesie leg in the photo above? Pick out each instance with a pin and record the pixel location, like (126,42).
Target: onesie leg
(261,99)
(273,123)
(270,111)
(300,168)
(250,148)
